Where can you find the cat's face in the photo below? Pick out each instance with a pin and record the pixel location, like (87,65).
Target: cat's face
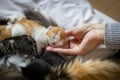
(56,36)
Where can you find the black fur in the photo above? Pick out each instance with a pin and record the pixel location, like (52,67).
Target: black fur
(53,58)
(36,70)
(11,73)
(23,45)
(39,66)
(3,21)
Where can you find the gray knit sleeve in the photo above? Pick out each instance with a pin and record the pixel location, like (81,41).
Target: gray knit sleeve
(112,35)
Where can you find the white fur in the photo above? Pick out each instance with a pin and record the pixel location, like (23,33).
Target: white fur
(58,35)
(9,26)
(16,60)
(18,30)
(19,61)
(59,42)
(40,37)
(49,27)
(55,40)
(17,16)
(2,61)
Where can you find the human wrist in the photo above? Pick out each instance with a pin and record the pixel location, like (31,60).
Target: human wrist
(100,32)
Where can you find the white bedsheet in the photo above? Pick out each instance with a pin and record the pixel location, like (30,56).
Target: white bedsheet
(64,13)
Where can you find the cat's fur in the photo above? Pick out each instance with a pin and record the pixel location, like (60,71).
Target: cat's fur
(16,52)
(11,73)
(20,60)
(51,66)
(39,68)
(20,25)
(12,66)
(88,70)
(25,45)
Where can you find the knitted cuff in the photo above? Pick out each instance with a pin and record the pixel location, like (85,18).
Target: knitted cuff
(112,35)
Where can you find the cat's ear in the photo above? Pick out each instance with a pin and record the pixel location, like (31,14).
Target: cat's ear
(58,35)
(49,27)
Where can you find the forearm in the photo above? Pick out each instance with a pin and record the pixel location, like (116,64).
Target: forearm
(112,35)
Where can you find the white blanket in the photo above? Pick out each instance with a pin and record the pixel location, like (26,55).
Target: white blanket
(64,13)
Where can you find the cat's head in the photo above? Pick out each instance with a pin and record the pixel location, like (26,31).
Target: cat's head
(56,36)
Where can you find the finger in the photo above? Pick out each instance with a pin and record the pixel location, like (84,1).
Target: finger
(79,29)
(63,51)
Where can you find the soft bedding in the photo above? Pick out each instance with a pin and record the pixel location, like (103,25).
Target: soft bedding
(64,13)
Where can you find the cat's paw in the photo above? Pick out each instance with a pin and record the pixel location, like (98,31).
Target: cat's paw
(15,17)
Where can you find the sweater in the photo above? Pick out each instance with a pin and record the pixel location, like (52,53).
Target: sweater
(112,35)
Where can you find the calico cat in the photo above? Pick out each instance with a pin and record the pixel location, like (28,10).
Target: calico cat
(85,70)
(20,25)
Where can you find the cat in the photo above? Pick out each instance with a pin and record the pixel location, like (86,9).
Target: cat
(19,25)
(25,45)
(39,68)
(35,69)
(19,59)
(77,69)
(23,64)
(16,52)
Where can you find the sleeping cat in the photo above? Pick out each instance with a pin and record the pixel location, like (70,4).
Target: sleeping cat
(16,52)
(20,25)
(19,59)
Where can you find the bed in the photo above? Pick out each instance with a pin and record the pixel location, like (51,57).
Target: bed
(64,13)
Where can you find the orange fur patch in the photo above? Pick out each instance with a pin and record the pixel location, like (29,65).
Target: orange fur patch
(29,25)
(86,70)
(93,70)
(55,30)
(4,33)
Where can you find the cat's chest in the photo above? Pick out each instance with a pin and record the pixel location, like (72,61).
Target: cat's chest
(18,30)
(40,37)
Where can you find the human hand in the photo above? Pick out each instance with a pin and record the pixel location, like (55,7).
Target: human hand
(86,38)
